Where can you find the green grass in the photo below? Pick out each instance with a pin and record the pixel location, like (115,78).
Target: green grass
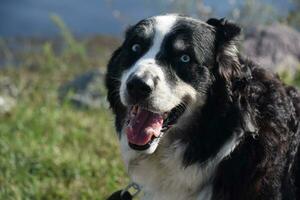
(50,150)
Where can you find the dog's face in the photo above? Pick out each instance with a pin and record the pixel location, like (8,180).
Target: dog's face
(165,65)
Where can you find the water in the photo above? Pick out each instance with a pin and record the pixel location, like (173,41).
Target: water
(32,17)
(85,17)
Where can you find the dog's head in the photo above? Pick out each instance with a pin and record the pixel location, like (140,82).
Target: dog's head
(167,64)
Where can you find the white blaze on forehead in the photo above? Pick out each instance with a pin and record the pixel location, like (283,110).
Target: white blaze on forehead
(162,26)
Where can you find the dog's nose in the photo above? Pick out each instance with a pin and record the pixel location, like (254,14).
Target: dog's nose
(138,89)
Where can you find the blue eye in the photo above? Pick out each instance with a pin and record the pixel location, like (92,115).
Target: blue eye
(185,58)
(136,48)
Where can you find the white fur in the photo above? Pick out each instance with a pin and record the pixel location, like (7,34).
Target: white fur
(162,175)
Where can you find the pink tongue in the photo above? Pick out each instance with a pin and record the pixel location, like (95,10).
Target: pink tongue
(142,126)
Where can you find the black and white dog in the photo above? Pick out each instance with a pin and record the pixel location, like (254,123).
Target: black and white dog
(196,121)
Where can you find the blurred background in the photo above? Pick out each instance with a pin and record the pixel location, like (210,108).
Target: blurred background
(56,132)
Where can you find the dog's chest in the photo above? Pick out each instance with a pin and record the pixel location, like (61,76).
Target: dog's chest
(166,179)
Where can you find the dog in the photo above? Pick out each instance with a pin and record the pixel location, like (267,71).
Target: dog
(198,121)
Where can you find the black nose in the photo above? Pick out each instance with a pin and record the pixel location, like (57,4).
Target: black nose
(138,89)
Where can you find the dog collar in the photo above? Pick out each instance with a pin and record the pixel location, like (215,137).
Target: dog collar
(132,187)
(128,193)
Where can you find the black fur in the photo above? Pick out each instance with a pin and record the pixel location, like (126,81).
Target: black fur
(242,99)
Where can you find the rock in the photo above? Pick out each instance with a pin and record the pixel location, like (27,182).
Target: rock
(8,95)
(276,47)
(86,90)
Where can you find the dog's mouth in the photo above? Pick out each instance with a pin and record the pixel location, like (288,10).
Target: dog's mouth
(145,127)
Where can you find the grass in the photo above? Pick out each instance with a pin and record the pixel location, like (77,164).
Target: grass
(50,150)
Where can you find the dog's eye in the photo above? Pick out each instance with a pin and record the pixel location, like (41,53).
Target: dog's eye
(185,58)
(136,48)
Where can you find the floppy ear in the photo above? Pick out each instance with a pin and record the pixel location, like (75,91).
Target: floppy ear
(112,84)
(226,50)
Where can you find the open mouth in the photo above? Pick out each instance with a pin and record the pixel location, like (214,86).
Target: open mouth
(145,127)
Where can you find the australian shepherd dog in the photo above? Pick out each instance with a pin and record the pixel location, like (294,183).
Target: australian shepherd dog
(198,121)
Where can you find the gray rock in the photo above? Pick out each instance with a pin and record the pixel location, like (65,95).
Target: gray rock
(8,95)
(276,47)
(85,91)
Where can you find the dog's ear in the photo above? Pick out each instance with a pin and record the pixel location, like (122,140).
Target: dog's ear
(226,30)
(226,50)
(112,84)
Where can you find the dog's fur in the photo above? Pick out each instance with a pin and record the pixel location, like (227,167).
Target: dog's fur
(237,134)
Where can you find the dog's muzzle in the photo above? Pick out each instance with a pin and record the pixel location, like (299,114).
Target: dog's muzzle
(139,88)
